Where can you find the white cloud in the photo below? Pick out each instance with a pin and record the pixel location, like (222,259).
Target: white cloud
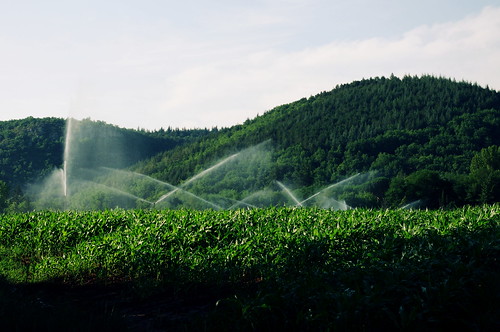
(228,91)
(225,71)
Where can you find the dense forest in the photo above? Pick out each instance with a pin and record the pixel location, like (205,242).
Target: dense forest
(426,139)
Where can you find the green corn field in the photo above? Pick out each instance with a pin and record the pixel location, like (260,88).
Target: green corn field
(255,269)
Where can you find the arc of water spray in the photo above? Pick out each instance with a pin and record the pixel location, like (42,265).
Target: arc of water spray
(237,203)
(218,207)
(197,176)
(331,186)
(64,180)
(121,192)
(289,193)
(208,170)
(67,144)
(410,205)
(162,198)
(247,198)
(114,170)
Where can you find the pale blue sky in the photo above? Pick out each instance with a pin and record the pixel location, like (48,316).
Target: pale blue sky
(153,64)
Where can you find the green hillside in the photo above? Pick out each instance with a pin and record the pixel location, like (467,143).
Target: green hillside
(417,135)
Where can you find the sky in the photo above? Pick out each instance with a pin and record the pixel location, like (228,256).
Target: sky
(154,64)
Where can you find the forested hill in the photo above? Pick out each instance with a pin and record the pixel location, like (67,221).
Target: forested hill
(31,148)
(419,133)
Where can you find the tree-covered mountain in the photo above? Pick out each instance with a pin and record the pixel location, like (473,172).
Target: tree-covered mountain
(419,134)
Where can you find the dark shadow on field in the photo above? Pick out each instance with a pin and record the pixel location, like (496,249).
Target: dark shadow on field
(55,307)
(430,282)
(368,280)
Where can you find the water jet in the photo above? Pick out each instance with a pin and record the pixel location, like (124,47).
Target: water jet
(289,193)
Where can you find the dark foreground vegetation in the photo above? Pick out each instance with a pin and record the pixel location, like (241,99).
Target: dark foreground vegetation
(262,269)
